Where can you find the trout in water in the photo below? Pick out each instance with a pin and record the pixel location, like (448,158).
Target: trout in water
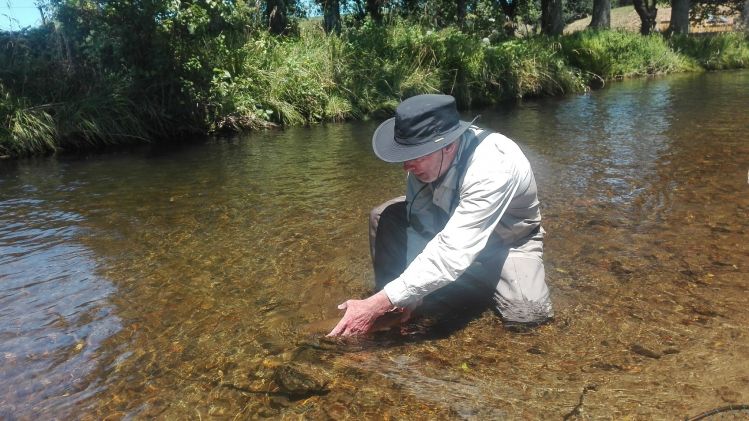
(387,321)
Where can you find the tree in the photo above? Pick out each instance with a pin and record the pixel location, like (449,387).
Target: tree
(374,9)
(461,13)
(679,17)
(509,8)
(647,11)
(601,18)
(331,16)
(278,20)
(551,17)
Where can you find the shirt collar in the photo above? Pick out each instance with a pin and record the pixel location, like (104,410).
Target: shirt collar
(444,192)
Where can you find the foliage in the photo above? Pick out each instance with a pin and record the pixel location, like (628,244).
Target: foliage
(23,131)
(133,71)
(577,9)
(619,54)
(715,51)
(384,65)
(534,67)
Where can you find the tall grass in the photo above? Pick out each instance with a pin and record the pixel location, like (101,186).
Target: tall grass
(254,80)
(532,67)
(100,119)
(717,51)
(619,54)
(403,60)
(25,131)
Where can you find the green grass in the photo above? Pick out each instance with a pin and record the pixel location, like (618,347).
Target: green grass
(99,119)
(716,51)
(257,80)
(619,54)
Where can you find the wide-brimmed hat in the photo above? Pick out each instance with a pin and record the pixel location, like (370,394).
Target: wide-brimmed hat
(422,124)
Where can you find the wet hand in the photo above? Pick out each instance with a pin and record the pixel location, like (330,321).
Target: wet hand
(361,314)
(408,311)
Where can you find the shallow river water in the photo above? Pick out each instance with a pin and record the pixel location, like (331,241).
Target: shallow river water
(198,283)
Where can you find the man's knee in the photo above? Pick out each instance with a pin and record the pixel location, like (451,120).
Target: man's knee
(375,215)
(522,295)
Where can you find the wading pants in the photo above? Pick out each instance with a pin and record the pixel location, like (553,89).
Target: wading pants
(511,280)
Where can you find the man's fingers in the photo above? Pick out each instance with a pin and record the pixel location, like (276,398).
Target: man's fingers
(340,328)
(337,329)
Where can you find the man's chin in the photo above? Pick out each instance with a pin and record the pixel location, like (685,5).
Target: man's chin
(423,180)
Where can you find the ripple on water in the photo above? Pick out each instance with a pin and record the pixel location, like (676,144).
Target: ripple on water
(172,285)
(54,314)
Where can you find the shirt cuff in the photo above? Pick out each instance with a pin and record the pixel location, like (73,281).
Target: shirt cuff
(399,293)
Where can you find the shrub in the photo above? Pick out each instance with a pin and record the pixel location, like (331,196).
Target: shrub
(619,54)
(728,50)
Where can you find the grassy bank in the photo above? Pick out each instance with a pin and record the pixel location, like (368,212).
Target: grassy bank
(257,80)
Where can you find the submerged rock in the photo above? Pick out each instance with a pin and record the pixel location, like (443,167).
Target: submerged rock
(641,350)
(301,380)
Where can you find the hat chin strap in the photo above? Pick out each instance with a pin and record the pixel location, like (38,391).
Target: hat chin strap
(439,172)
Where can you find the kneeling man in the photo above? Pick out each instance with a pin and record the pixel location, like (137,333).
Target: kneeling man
(470,214)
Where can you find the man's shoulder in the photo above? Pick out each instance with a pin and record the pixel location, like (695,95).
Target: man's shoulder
(496,154)
(491,142)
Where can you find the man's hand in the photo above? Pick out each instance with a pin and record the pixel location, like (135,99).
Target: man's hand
(361,314)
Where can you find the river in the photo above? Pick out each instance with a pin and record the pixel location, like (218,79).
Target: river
(189,283)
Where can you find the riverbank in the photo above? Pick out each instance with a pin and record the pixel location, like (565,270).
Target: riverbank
(258,81)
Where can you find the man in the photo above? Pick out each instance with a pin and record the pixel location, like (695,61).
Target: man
(471,211)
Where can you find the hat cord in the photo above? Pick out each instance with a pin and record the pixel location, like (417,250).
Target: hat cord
(411,205)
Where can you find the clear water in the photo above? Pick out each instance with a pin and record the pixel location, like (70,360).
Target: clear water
(178,284)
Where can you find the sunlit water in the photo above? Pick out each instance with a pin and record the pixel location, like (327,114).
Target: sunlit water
(180,284)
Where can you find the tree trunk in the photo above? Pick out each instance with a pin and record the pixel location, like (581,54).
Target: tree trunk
(373,8)
(509,8)
(746,16)
(332,16)
(461,15)
(551,17)
(679,17)
(647,11)
(601,14)
(277,20)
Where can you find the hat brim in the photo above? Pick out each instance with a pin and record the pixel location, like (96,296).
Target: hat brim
(388,150)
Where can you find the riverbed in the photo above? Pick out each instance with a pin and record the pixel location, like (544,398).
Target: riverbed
(195,282)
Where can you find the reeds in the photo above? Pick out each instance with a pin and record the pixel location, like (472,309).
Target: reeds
(715,51)
(99,119)
(253,80)
(620,54)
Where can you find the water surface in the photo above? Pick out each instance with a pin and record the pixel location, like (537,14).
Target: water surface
(180,284)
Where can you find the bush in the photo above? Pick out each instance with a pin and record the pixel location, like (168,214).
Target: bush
(208,69)
(619,54)
(715,51)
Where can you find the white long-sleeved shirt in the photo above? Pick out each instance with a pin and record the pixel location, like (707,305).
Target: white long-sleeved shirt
(497,207)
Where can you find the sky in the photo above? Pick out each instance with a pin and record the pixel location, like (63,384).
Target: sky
(18,14)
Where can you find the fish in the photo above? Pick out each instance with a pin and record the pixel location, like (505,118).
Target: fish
(385,322)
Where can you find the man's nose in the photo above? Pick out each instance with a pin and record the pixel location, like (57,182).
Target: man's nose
(409,165)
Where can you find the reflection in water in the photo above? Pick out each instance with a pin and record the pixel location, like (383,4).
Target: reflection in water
(184,284)
(53,309)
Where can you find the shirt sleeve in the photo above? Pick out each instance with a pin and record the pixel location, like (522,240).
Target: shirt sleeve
(487,190)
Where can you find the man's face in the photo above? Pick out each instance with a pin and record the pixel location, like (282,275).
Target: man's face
(428,168)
